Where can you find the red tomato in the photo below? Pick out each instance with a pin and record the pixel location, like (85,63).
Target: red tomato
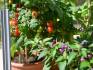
(17,33)
(50,23)
(13,22)
(16,27)
(50,29)
(16,14)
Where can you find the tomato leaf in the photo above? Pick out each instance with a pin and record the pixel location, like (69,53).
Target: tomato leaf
(59,59)
(62,65)
(42,54)
(19,40)
(47,66)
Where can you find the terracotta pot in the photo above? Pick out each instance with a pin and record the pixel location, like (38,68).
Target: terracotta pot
(19,66)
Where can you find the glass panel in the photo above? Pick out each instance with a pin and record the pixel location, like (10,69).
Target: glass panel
(1,55)
(1,4)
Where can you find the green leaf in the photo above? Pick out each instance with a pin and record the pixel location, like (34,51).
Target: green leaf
(22,0)
(42,54)
(34,23)
(13,50)
(74,46)
(65,54)
(62,65)
(84,52)
(36,40)
(28,43)
(57,45)
(71,57)
(47,66)
(59,59)
(76,69)
(47,39)
(91,61)
(91,45)
(48,43)
(47,60)
(53,52)
(84,64)
(27,3)
(19,41)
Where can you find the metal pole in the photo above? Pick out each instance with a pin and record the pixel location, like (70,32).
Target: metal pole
(5,39)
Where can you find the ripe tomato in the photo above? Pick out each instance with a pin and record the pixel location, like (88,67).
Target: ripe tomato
(50,23)
(16,14)
(17,33)
(13,22)
(50,29)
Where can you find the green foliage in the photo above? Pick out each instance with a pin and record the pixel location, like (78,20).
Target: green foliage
(84,52)
(59,59)
(48,9)
(34,23)
(20,40)
(64,14)
(71,57)
(13,50)
(46,67)
(62,65)
(74,46)
(42,54)
(84,64)
(91,61)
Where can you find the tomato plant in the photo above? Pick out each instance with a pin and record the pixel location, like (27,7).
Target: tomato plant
(13,22)
(50,29)
(16,33)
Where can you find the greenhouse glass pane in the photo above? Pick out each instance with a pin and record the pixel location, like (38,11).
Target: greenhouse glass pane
(1,54)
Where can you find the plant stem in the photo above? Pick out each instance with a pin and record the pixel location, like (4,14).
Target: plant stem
(26,55)
(89,12)
(19,58)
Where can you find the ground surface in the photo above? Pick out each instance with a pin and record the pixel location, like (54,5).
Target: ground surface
(1,60)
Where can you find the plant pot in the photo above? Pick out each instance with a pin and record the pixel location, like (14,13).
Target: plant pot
(20,66)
